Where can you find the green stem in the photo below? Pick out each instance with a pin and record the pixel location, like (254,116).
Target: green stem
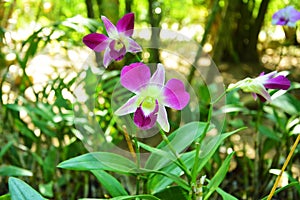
(257,160)
(179,162)
(138,164)
(138,58)
(193,182)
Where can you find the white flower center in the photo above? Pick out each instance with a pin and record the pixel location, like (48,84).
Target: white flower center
(118,45)
(148,97)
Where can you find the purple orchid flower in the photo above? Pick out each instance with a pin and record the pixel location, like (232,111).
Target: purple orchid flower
(259,85)
(118,41)
(151,95)
(286,16)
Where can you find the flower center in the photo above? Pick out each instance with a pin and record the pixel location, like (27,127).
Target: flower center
(118,45)
(148,103)
(148,99)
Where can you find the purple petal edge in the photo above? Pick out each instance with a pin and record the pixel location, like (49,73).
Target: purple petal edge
(97,42)
(175,95)
(279,82)
(126,24)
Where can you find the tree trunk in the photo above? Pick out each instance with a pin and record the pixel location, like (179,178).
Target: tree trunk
(238,35)
(154,19)
(110,8)
(89,7)
(128,6)
(254,31)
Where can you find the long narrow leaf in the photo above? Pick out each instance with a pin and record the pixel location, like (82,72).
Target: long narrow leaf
(179,140)
(100,161)
(283,188)
(219,176)
(225,195)
(158,182)
(111,184)
(5,148)
(211,152)
(141,196)
(9,170)
(19,190)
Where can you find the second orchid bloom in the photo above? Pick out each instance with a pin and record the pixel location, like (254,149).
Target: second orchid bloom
(151,95)
(259,85)
(118,42)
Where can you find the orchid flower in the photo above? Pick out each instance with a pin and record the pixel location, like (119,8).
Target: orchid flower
(286,16)
(259,85)
(118,42)
(151,95)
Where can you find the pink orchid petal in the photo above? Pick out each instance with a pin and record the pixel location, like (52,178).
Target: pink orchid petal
(106,58)
(135,76)
(126,24)
(279,82)
(97,42)
(162,118)
(129,107)
(175,95)
(133,46)
(110,27)
(158,78)
(116,54)
(145,122)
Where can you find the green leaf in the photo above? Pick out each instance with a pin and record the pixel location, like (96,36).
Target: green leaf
(283,188)
(10,170)
(268,133)
(179,140)
(49,164)
(5,148)
(158,182)
(19,190)
(172,193)
(219,176)
(111,184)
(211,151)
(180,182)
(225,195)
(141,196)
(46,189)
(100,161)
(5,197)
(23,128)
(290,104)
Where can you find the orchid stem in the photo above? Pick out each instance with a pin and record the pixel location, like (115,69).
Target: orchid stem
(257,159)
(180,162)
(284,167)
(138,164)
(194,172)
(138,58)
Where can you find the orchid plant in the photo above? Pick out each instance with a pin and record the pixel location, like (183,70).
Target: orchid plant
(176,174)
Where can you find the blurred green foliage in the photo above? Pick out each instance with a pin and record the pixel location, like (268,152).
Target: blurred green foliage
(38,131)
